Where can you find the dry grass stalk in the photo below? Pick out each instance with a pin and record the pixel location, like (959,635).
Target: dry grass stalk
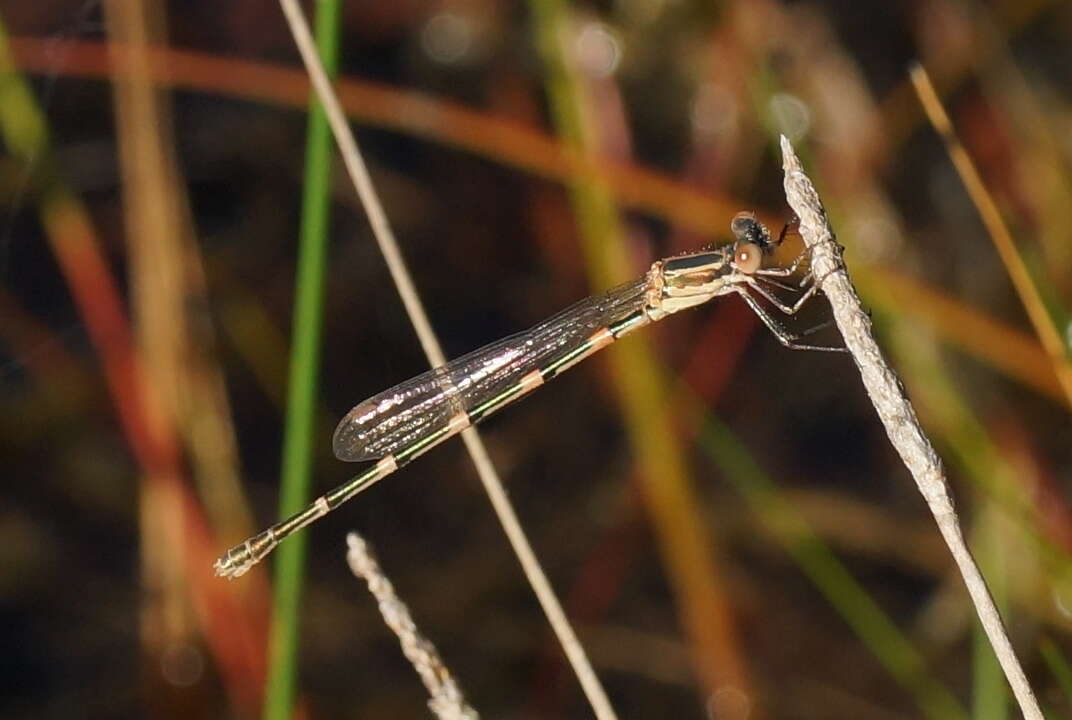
(167,277)
(896,411)
(999,232)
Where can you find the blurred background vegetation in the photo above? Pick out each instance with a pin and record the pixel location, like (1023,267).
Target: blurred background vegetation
(724,519)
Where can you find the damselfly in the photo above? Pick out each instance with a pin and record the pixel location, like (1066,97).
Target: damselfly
(406,421)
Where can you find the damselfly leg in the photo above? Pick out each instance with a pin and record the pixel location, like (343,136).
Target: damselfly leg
(790,227)
(759,278)
(790,339)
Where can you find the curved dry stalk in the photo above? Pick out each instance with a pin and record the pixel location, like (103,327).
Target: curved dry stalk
(896,411)
(1022,282)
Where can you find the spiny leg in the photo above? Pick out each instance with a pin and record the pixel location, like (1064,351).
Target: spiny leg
(777,283)
(816,328)
(810,277)
(808,280)
(790,340)
(794,223)
(789,269)
(777,302)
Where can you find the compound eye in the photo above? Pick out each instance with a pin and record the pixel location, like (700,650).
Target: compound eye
(747,258)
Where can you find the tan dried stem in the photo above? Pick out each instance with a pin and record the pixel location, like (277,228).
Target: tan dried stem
(999,232)
(166,270)
(896,412)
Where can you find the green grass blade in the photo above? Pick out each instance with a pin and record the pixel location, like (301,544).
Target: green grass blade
(684,541)
(302,393)
(1058,665)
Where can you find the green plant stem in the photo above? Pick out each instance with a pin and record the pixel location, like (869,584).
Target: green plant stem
(684,541)
(302,393)
(1058,665)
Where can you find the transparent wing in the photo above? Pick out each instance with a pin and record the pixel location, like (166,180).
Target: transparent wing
(406,413)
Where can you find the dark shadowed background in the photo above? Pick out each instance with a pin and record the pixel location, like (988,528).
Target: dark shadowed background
(145,321)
